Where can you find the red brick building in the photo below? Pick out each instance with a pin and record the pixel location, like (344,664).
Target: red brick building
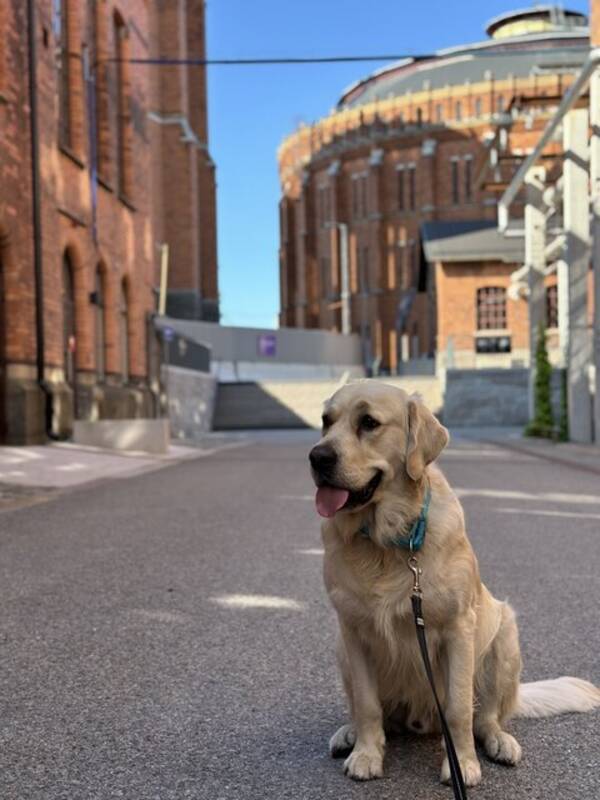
(405,152)
(85,204)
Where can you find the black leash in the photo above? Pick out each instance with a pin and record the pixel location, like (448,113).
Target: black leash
(458,784)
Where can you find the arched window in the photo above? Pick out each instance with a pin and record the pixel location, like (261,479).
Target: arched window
(123,127)
(68,307)
(101,109)
(99,323)
(454,180)
(491,308)
(458,111)
(124,330)
(419,117)
(61,23)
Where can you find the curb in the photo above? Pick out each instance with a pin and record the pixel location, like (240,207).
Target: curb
(555,459)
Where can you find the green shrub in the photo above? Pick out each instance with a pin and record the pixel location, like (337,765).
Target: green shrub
(542,424)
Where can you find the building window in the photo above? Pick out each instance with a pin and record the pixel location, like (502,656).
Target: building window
(491,308)
(478,107)
(359,196)
(500,104)
(124,330)
(415,253)
(319,210)
(552,307)
(419,117)
(354,185)
(101,104)
(363,268)
(123,144)
(364,196)
(458,111)
(61,33)
(323,206)
(99,324)
(454,181)
(328,204)
(283,226)
(468,179)
(324,265)
(412,188)
(400,266)
(439,113)
(400,189)
(68,306)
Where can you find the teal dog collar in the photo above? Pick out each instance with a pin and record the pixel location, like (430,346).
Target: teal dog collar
(416,535)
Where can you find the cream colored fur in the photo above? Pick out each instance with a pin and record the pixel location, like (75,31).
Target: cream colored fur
(472,637)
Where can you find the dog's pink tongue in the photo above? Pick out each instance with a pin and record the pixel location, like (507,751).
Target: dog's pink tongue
(330,500)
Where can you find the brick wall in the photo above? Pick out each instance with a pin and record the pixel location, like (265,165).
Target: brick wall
(424,132)
(107,232)
(187,186)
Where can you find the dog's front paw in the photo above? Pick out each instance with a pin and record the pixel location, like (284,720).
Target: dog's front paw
(470,767)
(363,765)
(342,741)
(503,747)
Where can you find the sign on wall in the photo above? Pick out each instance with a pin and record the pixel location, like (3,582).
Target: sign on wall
(266,345)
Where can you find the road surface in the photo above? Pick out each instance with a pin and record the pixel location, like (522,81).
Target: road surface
(168,636)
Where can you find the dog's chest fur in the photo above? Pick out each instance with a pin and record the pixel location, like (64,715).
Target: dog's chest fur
(370,589)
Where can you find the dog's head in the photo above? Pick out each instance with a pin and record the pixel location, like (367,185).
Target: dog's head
(372,433)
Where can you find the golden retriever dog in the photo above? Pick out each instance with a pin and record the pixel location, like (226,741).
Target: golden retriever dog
(373,468)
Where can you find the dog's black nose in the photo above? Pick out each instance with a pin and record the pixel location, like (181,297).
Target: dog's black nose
(323,458)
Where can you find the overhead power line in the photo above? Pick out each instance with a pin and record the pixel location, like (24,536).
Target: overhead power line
(249,62)
(208,62)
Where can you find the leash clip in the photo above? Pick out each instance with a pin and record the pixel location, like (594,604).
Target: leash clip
(413,565)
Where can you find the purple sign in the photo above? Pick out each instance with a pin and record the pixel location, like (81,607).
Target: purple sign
(267,345)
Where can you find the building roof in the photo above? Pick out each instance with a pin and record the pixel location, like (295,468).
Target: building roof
(523,42)
(537,17)
(471,65)
(473,240)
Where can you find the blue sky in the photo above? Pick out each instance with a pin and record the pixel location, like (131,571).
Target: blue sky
(251,109)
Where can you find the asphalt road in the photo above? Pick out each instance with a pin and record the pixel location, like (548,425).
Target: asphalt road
(168,636)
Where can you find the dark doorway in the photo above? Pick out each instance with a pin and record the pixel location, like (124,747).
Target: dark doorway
(68,302)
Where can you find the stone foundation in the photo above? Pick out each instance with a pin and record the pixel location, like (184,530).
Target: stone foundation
(23,406)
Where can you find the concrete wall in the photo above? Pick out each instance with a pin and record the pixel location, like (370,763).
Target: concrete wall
(494,397)
(295,404)
(192,397)
(141,435)
(299,354)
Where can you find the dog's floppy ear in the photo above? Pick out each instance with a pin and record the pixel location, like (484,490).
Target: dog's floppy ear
(426,438)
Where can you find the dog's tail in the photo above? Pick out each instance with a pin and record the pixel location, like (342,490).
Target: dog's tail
(558,696)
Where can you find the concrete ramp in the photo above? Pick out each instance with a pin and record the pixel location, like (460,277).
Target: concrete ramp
(296,404)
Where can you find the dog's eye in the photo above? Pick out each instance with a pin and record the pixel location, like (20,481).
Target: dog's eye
(368,423)
(326,421)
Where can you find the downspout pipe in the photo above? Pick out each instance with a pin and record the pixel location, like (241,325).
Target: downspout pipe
(565,105)
(37,216)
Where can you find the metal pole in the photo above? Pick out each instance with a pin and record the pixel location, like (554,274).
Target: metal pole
(164,274)
(535,245)
(364,296)
(345,279)
(577,232)
(569,99)
(38,256)
(595,208)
